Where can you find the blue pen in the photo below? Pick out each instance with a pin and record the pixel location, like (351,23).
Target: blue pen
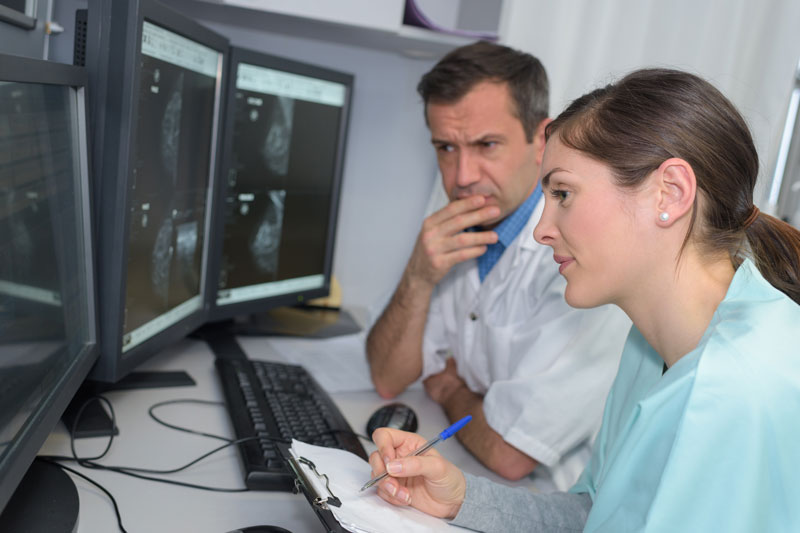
(444,435)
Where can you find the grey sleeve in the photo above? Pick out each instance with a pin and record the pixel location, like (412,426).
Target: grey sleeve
(491,508)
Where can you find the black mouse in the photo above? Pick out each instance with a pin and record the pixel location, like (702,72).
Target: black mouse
(260,529)
(393,415)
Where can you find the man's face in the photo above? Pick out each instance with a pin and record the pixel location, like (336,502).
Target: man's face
(482,149)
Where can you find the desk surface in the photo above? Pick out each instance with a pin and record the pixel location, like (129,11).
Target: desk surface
(156,507)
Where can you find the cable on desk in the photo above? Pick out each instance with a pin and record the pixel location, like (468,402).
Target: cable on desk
(90,462)
(79,414)
(187,430)
(227,439)
(136,472)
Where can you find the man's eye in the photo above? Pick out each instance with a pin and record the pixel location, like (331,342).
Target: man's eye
(489,144)
(445,148)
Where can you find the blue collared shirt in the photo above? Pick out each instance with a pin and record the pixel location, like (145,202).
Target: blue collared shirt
(507,231)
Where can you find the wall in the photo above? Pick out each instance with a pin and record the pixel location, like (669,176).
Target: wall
(749,50)
(20,41)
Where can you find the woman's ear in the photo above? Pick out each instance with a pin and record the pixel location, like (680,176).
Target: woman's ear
(676,188)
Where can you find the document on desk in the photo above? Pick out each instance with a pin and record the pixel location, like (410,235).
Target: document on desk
(360,512)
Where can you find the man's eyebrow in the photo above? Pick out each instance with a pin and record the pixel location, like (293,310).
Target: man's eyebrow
(478,140)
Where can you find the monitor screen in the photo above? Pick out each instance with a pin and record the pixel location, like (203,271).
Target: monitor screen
(161,88)
(168,191)
(285,132)
(47,307)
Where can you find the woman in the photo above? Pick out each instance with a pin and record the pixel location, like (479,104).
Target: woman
(649,185)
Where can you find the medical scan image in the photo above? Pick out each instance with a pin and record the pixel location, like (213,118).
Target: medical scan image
(171,128)
(168,190)
(279,136)
(279,182)
(265,243)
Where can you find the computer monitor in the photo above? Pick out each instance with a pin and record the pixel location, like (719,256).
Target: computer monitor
(159,79)
(281,173)
(47,288)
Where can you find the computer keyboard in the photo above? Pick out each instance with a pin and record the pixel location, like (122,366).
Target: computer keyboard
(276,400)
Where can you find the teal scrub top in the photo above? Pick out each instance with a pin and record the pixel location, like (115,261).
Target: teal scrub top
(713,444)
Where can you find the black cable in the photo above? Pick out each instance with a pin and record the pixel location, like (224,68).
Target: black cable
(45,459)
(226,439)
(179,428)
(136,472)
(74,428)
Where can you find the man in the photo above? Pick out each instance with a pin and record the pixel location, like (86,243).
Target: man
(479,313)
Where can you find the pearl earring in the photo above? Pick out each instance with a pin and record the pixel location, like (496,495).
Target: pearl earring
(663,216)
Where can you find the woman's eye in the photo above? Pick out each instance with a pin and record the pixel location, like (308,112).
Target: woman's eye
(559,194)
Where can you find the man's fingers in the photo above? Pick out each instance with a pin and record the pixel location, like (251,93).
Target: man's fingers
(447,261)
(456,207)
(461,221)
(465,239)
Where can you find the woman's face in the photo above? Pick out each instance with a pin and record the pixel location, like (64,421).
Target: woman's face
(591,225)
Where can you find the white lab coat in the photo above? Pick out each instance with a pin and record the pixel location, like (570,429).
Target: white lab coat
(543,367)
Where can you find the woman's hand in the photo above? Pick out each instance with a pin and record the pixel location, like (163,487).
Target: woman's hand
(427,482)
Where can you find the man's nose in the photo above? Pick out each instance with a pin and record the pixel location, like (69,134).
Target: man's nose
(467,170)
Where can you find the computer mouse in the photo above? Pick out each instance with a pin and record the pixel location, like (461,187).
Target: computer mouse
(393,415)
(260,529)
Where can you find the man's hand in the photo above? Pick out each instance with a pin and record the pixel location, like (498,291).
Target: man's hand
(442,385)
(451,392)
(394,344)
(442,241)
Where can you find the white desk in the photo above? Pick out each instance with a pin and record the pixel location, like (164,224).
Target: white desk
(152,507)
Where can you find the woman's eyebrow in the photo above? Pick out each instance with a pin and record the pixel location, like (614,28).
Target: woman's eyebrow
(546,178)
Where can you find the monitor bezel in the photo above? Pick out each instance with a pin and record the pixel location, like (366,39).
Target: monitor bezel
(240,55)
(114,221)
(40,424)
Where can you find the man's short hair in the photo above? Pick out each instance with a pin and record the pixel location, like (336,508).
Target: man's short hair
(463,68)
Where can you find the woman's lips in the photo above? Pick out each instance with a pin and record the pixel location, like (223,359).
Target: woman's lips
(563,262)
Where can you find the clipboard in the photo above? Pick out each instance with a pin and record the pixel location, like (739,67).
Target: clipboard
(337,501)
(301,468)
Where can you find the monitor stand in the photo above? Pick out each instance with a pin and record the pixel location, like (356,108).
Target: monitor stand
(46,501)
(94,420)
(311,321)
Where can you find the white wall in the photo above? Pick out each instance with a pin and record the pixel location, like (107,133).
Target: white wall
(748,49)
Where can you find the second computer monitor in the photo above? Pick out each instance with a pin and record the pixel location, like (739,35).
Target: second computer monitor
(286,125)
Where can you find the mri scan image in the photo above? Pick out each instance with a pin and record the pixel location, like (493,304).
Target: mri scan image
(265,243)
(279,136)
(171,129)
(161,259)
(186,242)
